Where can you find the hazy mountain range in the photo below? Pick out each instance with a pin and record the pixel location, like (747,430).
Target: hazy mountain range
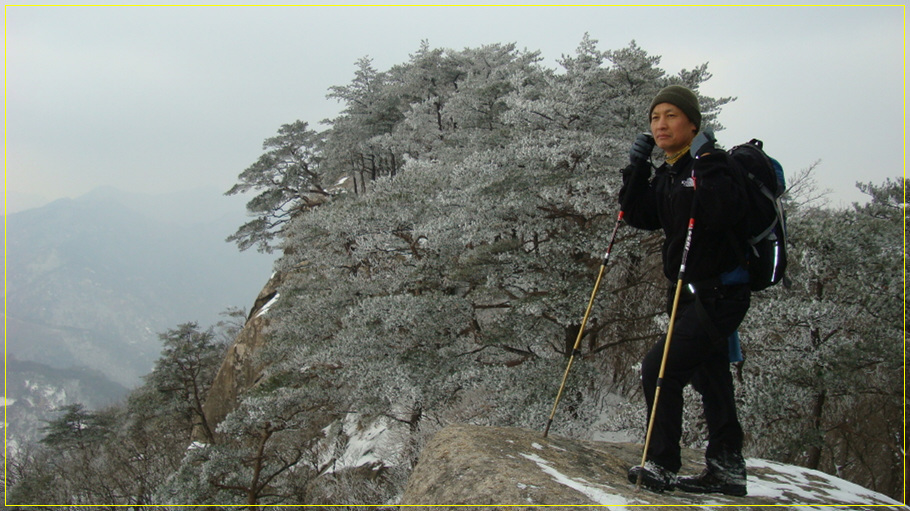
(92,281)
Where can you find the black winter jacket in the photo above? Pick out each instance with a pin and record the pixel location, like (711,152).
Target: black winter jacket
(665,201)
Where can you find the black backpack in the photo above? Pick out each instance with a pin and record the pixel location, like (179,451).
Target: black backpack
(766,222)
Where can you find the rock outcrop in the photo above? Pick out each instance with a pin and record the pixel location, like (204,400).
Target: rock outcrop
(239,371)
(471,465)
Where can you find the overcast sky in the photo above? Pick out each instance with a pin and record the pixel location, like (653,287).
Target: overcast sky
(158,99)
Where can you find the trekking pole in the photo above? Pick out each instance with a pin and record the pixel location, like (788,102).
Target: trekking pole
(584,321)
(663,361)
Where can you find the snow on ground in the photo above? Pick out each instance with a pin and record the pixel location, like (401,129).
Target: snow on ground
(362,444)
(599,493)
(265,308)
(196,445)
(789,483)
(784,484)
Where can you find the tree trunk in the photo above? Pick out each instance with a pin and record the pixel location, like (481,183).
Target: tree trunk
(815,450)
(199,409)
(253,493)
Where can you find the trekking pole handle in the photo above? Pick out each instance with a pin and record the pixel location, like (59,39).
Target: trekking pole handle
(619,218)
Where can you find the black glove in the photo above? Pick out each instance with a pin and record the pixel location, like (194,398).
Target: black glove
(702,143)
(641,149)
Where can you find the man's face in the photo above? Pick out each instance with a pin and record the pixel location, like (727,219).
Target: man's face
(672,130)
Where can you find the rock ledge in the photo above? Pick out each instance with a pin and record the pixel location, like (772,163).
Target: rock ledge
(472,465)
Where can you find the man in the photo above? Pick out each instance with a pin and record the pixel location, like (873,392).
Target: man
(696,181)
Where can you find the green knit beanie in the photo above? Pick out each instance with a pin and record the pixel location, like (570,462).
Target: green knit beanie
(683,98)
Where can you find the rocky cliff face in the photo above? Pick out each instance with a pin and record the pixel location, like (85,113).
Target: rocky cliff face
(470,465)
(240,371)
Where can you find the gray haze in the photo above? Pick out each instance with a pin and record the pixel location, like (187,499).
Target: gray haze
(162,99)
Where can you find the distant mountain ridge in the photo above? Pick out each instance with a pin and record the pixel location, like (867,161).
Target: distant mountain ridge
(92,281)
(35,390)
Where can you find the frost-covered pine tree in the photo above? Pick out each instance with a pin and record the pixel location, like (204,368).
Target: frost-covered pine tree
(182,376)
(289,181)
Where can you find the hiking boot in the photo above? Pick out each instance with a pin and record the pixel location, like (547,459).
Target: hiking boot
(653,477)
(726,475)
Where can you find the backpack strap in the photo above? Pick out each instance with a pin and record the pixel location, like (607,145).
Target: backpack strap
(754,239)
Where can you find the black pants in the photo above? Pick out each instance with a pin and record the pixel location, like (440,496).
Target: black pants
(698,355)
